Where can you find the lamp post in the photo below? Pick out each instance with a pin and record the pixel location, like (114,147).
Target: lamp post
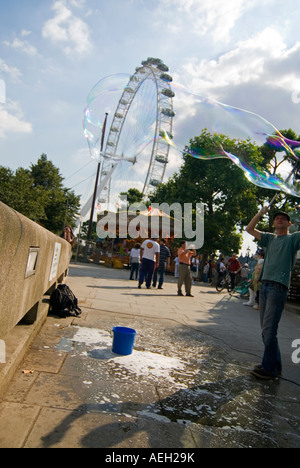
(88,237)
(79,238)
(248,254)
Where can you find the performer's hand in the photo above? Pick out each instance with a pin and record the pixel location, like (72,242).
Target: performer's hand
(264,210)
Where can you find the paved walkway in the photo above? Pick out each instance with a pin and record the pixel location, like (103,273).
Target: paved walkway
(186,385)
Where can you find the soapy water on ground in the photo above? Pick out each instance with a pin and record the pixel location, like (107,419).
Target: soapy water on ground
(196,383)
(141,363)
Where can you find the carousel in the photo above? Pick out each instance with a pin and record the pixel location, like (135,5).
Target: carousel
(120,232)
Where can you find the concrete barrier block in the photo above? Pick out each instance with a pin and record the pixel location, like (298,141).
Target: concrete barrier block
(32,261)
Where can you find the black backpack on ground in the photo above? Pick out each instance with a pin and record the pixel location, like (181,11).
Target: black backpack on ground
(63,302)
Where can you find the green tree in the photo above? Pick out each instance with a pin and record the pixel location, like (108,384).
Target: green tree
(29,198)
(7,186)
(18,191)
(133,195)
(39,194)
(84,231)
(61,204)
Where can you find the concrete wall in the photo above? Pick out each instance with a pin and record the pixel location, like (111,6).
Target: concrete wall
(32,262)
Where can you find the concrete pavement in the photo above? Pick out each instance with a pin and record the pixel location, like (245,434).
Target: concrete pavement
(186,385)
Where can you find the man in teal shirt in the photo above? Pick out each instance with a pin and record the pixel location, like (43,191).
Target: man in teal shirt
(281,253)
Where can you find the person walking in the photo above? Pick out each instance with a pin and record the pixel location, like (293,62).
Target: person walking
(221,269)
(184,256)
(255,283)
(164,263)
(280,257)
(149,260)
(195,268)
(206,272)
(234,267)
(135,261)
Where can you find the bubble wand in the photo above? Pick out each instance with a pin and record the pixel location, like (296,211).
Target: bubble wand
(286,181)
(283,142)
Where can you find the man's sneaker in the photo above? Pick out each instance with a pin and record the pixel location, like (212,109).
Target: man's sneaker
(260,373)
(259,367)
(139,285)
(180,293)
(190,295)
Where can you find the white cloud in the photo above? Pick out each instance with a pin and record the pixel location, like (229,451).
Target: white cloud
(12,120)
(216,18)
(78,3)
(24,46)
(25,33)
(67,30)
(263,56)
(259,74)
(13,72)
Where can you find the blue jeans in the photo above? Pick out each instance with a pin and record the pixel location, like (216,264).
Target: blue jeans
(146,271)
(272,298)
(161,270)
(134,269)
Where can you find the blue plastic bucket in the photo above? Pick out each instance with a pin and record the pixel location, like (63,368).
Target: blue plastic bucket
(123,341)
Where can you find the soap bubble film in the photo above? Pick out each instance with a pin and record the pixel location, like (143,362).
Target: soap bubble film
(194,113)
(198,113)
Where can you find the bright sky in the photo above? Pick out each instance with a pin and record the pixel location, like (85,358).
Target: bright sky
(52,52)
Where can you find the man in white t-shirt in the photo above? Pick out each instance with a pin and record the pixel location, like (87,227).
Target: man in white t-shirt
(149,261)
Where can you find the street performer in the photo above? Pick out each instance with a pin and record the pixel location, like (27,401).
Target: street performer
(280,258)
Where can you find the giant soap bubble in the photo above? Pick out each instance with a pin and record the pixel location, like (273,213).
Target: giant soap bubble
(200,112)
(194,113)
(103,97)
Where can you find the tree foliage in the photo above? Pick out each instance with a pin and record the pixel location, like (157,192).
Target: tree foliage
(133,195)
(39,194)
(85,228)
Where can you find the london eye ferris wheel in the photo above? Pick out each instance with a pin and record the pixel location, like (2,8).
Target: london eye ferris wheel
(140,111)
